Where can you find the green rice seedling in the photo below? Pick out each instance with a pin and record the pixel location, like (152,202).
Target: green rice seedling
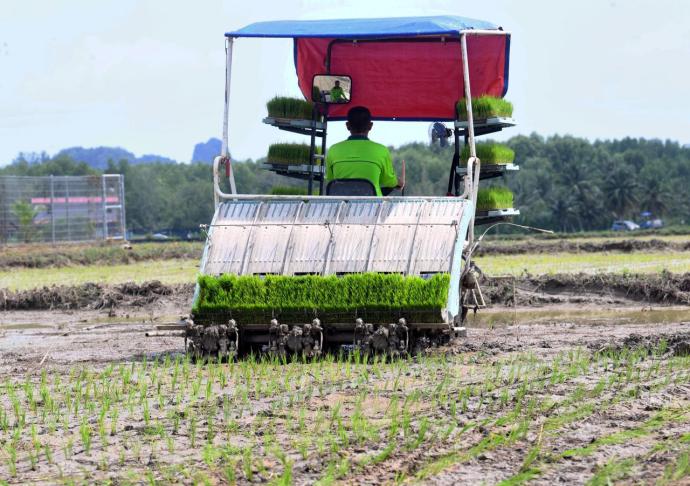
(114,413)
(85,433)
(11,451)
(289,153)
(494,197)
(421,434)
(48,453)
(33,459)
(147,413)
(485,107)
(210,431)
(251,298)
(229,471)
(247,464)
(209,388)
(4,420)
(292,108)
(192,430)
(490,154)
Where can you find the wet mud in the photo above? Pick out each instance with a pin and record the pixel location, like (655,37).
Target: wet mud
(93,296)
(545,390)
(566,246)
(554,402)
(664,288)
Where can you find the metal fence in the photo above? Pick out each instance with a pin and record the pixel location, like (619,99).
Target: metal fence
(61,208)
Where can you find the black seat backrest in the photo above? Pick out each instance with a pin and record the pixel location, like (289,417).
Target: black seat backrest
(350,187)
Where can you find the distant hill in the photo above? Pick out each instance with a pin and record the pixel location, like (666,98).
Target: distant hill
(98,157)
(206,152)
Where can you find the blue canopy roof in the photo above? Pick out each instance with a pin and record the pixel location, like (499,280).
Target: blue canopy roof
(363,28)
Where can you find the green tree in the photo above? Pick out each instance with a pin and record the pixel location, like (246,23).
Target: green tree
(620,191)
(25,214)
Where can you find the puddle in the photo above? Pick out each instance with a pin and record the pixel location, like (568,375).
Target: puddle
(579,316)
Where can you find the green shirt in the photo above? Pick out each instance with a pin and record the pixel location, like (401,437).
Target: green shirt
(337,94)
(360,158)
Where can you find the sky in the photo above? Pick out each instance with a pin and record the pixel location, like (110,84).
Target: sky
(148,75)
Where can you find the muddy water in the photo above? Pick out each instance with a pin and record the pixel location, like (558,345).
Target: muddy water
(590,316)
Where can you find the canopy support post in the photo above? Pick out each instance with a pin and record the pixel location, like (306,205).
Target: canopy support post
(470,130)
(225,153)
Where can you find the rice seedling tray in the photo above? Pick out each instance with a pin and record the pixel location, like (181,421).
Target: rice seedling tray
(495,197)
(291,154)
(484,107)
(490,153)
(486,126)
(376,298)
(290,108)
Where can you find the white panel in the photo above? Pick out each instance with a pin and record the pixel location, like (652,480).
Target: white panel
(298,236)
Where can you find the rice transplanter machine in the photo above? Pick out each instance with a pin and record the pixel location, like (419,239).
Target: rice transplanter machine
(402,69)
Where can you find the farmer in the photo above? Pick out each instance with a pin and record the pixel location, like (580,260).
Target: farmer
(337,94)
(360,158)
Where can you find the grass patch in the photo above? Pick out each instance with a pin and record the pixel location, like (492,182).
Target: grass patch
(167,271)
(591,263)
(490,153)
(285,107)
(495,197)
(373,297)
(485,107)
(43,256)
(289,153)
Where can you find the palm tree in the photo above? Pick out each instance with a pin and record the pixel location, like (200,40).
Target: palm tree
(655,196)
(620,188)
(564,212)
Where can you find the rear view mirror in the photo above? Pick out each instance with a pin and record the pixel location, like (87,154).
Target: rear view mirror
(328,88)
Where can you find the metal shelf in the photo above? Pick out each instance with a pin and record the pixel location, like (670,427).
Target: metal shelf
(489,171)
(488,125)
(303,127)
(494,216)
(299,171)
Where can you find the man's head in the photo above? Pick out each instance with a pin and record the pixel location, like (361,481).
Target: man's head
(337,84)
(359,120)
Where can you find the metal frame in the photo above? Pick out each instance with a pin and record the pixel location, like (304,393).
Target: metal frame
(72,208)
(473,169)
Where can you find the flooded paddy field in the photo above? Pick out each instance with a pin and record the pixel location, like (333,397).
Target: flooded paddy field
(564,378)
(561,392)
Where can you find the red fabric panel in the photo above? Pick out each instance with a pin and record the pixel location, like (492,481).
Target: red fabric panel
(406,79)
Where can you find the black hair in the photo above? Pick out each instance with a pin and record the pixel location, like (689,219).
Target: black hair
(359,118)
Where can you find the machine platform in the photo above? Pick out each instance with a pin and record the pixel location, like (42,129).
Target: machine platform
(300,171)
(490,171)
(303,127)
(495,216)
(488,125)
